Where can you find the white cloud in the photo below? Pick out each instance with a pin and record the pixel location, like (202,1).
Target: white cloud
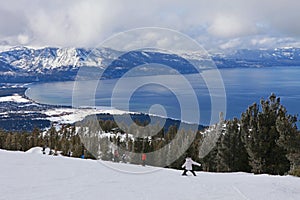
(23,39)
(266,41)
(88,22)
(234,43)
(231,26)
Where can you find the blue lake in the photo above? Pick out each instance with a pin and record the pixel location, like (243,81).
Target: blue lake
(144,94)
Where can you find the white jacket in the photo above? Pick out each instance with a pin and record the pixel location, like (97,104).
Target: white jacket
(188,165)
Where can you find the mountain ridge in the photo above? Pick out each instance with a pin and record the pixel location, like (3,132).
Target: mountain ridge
(24,64)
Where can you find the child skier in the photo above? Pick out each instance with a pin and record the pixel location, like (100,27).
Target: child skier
(188,165)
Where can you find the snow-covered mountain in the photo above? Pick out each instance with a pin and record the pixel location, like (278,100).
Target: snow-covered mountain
(35,176)
(23,64)
(50,63)
(38,60)
(287,56)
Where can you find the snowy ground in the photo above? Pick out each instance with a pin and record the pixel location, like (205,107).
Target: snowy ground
(33,176)
(14,98)
(72,115)
(59,115)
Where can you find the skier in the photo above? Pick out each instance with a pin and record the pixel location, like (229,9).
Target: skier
(124,158)
(188,165)
(116,156)
(143,159)
(44,150)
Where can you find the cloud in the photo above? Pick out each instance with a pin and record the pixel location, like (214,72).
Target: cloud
(263,41)
(86,23)
(234,43)
(231,26)
(23,39)
(269,42)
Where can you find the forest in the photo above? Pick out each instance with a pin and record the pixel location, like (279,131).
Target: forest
(264,140)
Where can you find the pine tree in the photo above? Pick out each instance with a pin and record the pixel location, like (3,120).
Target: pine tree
(260,136)
(104,148)
(2,139)
(8,142)
(36,136)
(232,151)
(52,139)
(209,149)
(289,137)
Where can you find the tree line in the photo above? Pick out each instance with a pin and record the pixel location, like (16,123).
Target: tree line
(64,141)
(264,140)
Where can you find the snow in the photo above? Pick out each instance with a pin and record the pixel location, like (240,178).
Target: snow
(38,150)
(43,59)
(60,115)
(35,150)
(4,48)
(72,115)
(14,98)
(31,176)
(145,54)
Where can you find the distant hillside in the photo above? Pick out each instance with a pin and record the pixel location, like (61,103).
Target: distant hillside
(21,64)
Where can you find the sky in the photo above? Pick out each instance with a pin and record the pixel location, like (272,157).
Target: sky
(215,24)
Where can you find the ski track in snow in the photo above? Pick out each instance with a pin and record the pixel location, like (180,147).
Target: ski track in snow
(34,176)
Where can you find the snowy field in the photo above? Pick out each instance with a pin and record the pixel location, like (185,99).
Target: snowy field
(33,176)
(60,115)
(14,98)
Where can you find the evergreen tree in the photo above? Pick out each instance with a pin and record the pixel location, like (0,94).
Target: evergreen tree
(2,139)
(8,142)
(36,137)
(232,151)
(260,136)
(209,149)
(289,137)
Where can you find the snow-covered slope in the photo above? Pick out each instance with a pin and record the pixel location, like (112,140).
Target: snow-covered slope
(40,60)
(39,151)
(16,110)
(24,64)
(72,115)
(31,176)
(14,98)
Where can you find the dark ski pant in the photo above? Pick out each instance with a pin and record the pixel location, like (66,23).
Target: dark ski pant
(185,171)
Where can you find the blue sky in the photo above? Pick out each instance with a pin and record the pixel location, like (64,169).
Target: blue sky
(215,24)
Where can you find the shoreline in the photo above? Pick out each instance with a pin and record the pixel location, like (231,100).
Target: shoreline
(60,114)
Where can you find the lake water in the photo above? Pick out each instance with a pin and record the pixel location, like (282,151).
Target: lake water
(242,87)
